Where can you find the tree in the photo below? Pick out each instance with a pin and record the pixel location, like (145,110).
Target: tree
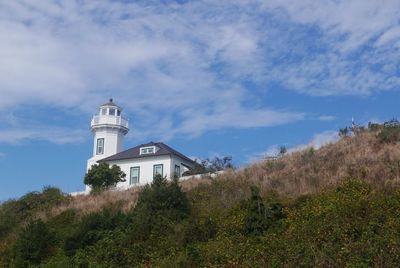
(344,132)
(218,164)
(102,177)
(210,165)
(282,150)
(259,217)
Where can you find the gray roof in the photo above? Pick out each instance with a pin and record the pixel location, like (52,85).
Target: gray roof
(135,153)
(109,103)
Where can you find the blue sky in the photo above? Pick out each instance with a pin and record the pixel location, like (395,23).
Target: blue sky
(228,77)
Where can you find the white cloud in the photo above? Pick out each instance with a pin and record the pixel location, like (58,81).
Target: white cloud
(393,34)
(318,141)
(54,135)
(272,151)
(326,118)
(349,53)
(236,118)
(358,21)
(184,64)
(154,59)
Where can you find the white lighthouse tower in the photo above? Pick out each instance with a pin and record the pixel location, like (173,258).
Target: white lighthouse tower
(109,129)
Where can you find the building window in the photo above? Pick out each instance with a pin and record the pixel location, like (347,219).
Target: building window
(112,111)
(147,150)
(135,175)
(100,146)
(157,169)
(118,112)
(177,171)
(103,111)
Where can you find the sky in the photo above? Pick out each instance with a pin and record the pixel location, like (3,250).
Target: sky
(209,78)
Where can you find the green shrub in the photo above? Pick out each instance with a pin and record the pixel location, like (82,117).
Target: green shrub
(14,212)
(33,201)
(351,226)
(163,197)
(92,228)
(390,132)
(63,225)
(374,127)
(34,244)
(197,229)
(102,176)
(344,132)
(60,261)
(112,250)
(259,217)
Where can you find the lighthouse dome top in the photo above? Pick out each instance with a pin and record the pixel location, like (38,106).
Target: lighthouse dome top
(110,117)
(110,103)
(110,109)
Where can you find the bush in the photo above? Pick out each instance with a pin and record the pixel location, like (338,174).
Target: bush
(163,197)
(102,177)
(33,201)
(159,206)
(259,217)
(34,244)
(390,132)
(198,229)
(351,226)
(92,228)
(374,127)
(14,212)
(344,132)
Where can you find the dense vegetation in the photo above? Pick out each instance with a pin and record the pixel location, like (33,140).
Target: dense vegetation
(243,219)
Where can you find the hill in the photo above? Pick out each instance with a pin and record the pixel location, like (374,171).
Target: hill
(336,206)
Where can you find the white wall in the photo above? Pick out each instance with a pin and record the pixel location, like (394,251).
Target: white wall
(113,139)
(146,168)
(113,143)
(146,165)
(179,161)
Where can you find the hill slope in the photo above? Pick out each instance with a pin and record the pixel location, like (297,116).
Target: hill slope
(364,156)
(336,206)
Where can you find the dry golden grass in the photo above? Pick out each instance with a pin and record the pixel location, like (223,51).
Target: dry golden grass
(307,171)
(86,204)
(192,183)
(298,173)
(124,200)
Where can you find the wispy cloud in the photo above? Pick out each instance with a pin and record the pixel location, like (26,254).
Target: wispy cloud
(272,151)
(186,65)
(335,61)
(326,118)
(54,135)
(357,21)
(316,142)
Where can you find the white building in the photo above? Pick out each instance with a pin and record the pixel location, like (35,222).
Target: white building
(140,163)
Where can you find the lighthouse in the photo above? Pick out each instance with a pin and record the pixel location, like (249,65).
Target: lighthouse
(140,163)
(109,129)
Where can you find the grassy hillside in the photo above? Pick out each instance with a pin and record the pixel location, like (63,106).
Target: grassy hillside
(333,207)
